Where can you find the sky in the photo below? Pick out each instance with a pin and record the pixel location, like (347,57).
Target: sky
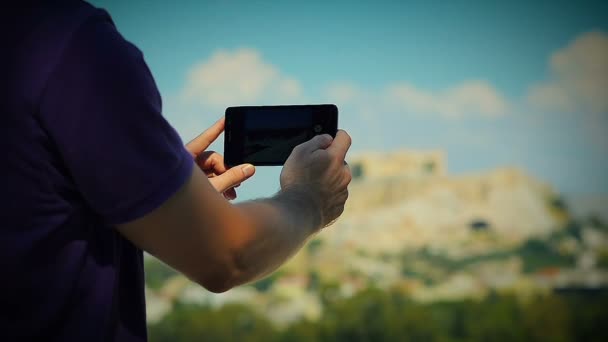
(494,84)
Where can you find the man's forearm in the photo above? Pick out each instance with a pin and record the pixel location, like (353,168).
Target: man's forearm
(280,227)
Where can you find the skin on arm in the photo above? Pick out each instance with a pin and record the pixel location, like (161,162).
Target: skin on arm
(220,245)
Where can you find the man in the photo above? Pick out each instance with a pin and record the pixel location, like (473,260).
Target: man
(92,174)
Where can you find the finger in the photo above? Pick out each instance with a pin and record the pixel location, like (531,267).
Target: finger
(344,196)
(200,143)
(347,177)
(232,177)
(211,162)
(340,145)
(316,143)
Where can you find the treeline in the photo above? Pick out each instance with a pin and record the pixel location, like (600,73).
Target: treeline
(375,315)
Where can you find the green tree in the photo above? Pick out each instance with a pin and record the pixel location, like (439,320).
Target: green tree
(547,318)
(301,331)
(375,315)
(229,323)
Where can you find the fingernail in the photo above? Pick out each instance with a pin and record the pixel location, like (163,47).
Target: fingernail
(248,170)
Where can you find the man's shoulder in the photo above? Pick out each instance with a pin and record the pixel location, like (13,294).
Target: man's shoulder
(36,35)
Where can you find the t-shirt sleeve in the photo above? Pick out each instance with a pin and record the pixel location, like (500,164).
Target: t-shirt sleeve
(102,111)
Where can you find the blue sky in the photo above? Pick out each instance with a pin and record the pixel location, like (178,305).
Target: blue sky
(514,83)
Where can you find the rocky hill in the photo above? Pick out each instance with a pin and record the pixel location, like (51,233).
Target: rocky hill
(411,225)
(420,205)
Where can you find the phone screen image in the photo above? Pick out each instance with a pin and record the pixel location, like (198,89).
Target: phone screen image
(271,134)
(266,135)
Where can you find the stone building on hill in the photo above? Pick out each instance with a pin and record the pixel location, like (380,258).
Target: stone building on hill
(378,165)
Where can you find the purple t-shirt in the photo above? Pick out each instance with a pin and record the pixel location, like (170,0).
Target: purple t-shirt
(84,147)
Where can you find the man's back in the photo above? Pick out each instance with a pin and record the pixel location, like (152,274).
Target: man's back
(69,136)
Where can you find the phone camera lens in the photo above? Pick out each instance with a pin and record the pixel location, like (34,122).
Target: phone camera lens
(318,128)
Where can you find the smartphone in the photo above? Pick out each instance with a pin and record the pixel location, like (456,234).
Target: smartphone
(266,135)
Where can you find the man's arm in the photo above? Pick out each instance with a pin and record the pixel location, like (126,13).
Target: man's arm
(102,113)
(220,245)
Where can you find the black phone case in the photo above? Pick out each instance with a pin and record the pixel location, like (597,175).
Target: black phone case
(324,120)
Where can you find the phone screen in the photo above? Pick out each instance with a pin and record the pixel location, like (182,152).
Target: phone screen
(272,134)
(266,135)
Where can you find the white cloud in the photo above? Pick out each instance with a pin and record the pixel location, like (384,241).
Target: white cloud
(469,98)
(578,84)
(343,92)
(579,78)
(238,77)
(242,77)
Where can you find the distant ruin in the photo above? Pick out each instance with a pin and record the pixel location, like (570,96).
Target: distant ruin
(377,165)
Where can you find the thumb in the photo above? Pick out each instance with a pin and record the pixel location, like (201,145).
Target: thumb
(232,177)
(318,142)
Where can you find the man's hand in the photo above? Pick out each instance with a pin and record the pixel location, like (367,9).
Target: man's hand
(212,163)
(317,167)
(220,245)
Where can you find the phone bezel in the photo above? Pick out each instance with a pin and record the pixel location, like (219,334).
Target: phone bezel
(324,114)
